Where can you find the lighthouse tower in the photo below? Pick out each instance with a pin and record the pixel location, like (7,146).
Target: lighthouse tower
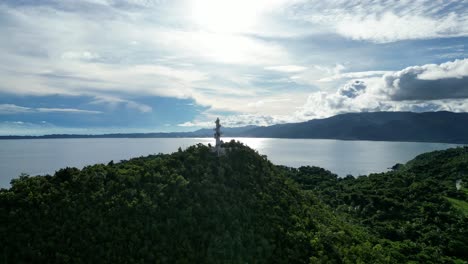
(217,136)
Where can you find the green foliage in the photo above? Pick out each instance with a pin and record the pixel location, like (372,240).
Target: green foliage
(416,208)
(462,206)
(194,207)
(187,207)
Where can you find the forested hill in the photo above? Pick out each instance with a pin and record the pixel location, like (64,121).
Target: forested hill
(419,211)
(194,207)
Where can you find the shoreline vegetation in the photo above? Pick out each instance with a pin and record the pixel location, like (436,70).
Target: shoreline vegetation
(192,206)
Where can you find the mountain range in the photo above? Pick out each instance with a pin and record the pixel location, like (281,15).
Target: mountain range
(440,126)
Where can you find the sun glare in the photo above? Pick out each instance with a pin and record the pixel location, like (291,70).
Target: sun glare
(225,16)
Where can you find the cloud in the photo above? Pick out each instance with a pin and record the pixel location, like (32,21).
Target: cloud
(389,27)
(6,109)
(430,87)
(263,102)
(256,58)
(83,56)
(286,68)
(429,82)
(352,89)
(13,109)
(22,128)
(144,56)
(385,21)
(140,107)
(219,48)
(46,128)
(80,55)
(65,110)
(239,121)
(456,69)
(318,75)
(353,75)
(114,102)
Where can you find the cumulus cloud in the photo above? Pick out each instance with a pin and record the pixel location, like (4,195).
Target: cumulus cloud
(431,87)
(452,69)
(352,89)
(429,82)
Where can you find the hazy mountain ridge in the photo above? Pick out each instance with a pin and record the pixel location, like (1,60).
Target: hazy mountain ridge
(386,126)
(441,126)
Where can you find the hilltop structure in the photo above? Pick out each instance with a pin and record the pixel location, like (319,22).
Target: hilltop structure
(217,135)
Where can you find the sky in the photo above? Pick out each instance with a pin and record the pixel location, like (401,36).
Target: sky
(124,66)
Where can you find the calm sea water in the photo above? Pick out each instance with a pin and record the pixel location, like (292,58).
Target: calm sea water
(42,156)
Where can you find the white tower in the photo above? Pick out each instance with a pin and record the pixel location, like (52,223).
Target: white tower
(217,136)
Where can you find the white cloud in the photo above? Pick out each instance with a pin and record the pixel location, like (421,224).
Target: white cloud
(239,121)
(79,55)
(428,87)
(456,69)
(65,110)
(259,104)
(114,102)
(15,109)
(287,68)
(131,49)
(385,21)
(219,48)
(390,27)
(428,82)
(352,89)
(353,75)
(45,128)
(319,75)
(263,102)
(126,52)
(140,107)
(12,109)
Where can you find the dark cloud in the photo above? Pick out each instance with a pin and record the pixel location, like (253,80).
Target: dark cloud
(429,82)
(352,89)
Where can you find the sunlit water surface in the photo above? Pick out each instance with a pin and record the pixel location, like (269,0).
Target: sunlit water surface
(42,156)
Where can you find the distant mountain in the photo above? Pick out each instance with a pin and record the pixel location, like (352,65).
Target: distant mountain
(385,126)
(204,132)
